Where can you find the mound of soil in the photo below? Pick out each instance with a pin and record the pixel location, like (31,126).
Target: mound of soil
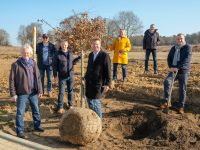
(141,128)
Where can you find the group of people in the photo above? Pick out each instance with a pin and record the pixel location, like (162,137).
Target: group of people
(27,78)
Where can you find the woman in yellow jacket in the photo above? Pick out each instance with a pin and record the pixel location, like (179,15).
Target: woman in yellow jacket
(121,46)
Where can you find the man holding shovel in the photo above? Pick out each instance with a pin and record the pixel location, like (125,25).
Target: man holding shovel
(179,60)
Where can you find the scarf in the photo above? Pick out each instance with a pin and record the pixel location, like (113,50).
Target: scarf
(29,68)
(177,54)
(26,63)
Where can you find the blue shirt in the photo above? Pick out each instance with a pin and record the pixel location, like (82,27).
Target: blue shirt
(45,55)
(95,55)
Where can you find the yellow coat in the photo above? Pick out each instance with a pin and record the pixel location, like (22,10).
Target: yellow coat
(124,45)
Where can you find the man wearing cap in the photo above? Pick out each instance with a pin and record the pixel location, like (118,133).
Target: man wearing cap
(150,41)
(45,52)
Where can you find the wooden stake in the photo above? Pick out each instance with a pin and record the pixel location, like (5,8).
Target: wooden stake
(82,81)
(34,43)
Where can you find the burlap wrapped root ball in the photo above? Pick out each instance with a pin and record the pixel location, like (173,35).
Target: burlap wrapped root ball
(80,126)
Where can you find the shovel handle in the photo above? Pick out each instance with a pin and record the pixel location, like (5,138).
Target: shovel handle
(174,74)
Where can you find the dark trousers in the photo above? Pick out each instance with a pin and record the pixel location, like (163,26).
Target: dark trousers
(115,71)
(62,83)
(182,80)
(148,52)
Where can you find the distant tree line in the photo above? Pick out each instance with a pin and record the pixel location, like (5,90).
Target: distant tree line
(168,40)
(4,38)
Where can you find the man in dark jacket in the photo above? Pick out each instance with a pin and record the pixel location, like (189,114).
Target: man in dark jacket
(63,65)
(150,41)
(25,85)
(45,52)
(98,76)
(179,60)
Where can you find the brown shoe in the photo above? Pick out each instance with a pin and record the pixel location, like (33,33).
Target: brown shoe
(181,110)
(49,94)
(165,105)
(60,111)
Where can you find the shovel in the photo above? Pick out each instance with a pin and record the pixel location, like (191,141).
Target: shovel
(166,109)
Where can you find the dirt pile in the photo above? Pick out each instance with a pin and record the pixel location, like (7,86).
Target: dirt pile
(147,128)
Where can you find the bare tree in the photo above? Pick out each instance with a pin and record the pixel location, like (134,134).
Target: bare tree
(112,28)
(25,33)
(4,37)
(126,20)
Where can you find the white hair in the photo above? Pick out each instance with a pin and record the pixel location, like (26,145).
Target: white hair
(27,46)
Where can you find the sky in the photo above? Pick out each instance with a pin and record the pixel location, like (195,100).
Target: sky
(170,16)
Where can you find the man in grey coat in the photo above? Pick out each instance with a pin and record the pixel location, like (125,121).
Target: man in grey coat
(150,41)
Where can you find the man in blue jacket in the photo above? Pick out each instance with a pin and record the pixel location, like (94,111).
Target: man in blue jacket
(45,52)
(179,60)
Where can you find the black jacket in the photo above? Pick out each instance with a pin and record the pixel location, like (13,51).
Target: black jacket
(63,64)
(39,52)
(185,58)
(150,40)
(97,75)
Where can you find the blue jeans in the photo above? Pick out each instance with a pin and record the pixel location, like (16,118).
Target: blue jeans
(95,105)
(21,105)
(49,74)
(182,79)
(115,71)
(70,85)
(148,51)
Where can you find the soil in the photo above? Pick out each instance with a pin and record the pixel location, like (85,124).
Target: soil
(131,118)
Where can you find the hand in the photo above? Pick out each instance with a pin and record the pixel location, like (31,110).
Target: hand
(13,99)
(105,88)
(173,69)
(40,95)
(144,50)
